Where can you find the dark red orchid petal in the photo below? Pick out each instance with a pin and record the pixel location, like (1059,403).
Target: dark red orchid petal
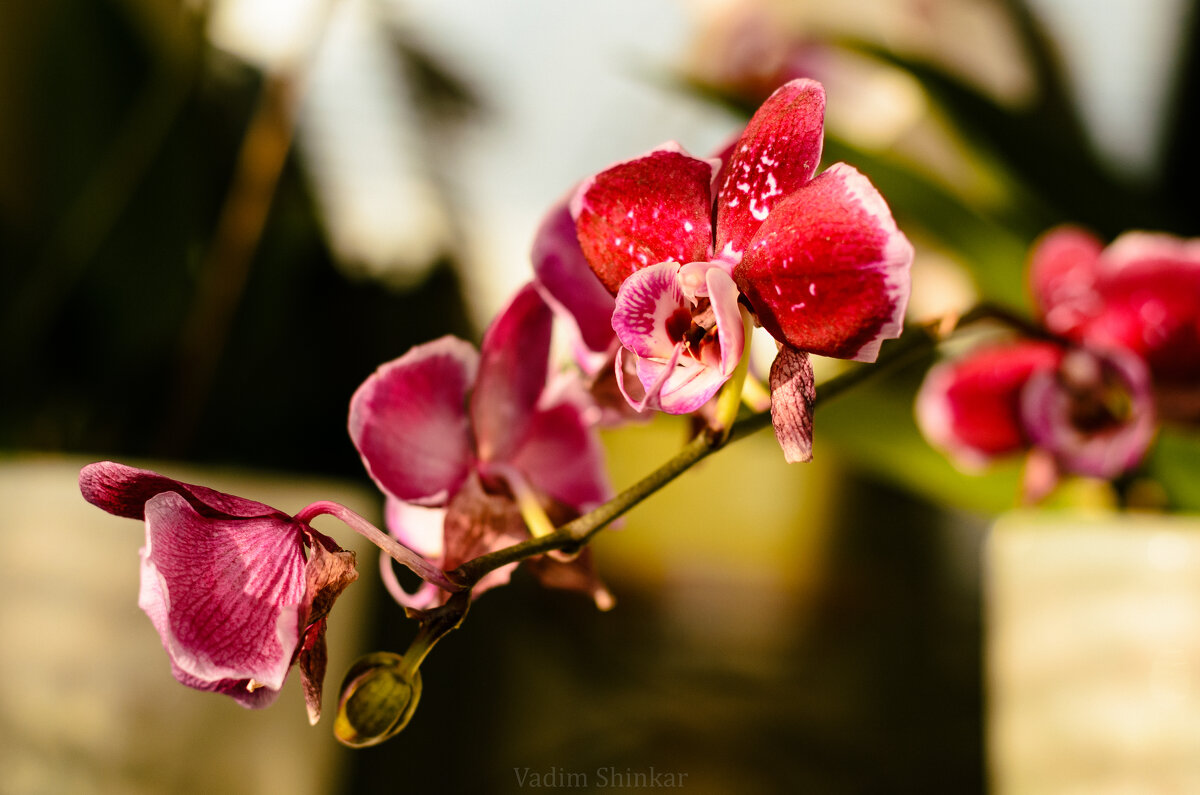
(652,209)
(971,407)
(513,366)
(828,273)
(776,155)
(123,491)
(793,395)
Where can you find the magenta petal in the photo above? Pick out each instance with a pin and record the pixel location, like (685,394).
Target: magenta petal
(226,595)
(1055,410)
(513,365)
(123,491)
(829,272)
(652,209)
(793,395)
(409,421)
(566,280)
(651,313)
(776,155)
(971,407)
(237,689)
(562,458)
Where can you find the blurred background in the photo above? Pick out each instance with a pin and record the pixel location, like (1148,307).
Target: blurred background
(217,218)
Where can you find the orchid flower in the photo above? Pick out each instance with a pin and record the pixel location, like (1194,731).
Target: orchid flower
(1140,294)
(1074,411)
(237,590)
(477,450)
(681,242)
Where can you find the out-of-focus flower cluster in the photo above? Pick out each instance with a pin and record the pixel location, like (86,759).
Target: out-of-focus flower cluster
(1119,348)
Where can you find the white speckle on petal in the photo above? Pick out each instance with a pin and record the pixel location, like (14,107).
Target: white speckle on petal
(687,226)
(744,187)
(778,290)
(812,288)
(797,307)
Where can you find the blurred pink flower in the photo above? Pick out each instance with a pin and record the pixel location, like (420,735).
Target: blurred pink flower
(1140,294)
(1075,411)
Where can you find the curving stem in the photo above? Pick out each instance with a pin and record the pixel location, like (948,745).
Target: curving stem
(400,553)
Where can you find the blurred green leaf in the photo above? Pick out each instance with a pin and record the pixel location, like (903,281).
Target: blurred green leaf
(1043,145)
(1175,463)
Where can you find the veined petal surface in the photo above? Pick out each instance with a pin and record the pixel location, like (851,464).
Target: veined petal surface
(123,491)
(409,421)
(226,595)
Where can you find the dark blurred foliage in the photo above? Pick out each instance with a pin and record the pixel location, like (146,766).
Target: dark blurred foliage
(872,684)
(121,137)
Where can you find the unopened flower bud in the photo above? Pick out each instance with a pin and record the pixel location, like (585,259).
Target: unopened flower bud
(378,697)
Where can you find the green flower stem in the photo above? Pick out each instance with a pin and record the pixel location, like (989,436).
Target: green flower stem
(435,625)
(576,533)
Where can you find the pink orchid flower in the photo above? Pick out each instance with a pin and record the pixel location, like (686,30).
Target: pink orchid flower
(1140,294)
(1075,411)
(458,439)
(237,590)
(681,241)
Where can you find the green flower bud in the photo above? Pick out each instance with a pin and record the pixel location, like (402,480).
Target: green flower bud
(378,698)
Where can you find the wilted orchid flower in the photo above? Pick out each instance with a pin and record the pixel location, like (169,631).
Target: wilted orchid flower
(469,446)
(1075,411)
(681,241)
(1141,294)
(237,590)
